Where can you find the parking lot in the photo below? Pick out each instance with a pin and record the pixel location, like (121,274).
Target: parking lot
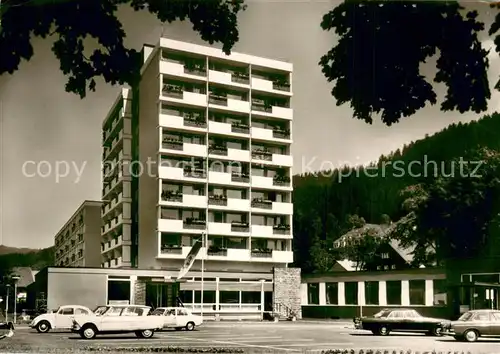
(279,337)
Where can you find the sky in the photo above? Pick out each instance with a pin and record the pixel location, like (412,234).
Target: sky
(41,122)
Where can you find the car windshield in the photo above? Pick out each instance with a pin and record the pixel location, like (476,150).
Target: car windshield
(158,312)
(100,310)
(383,313)
(466,316)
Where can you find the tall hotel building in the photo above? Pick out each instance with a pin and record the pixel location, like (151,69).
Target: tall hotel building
(203,148)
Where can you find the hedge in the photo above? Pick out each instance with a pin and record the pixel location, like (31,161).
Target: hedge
(169,349)
(378,351)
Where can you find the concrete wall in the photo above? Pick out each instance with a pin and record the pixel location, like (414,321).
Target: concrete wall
(79,289)
(140,292)
(287,290)
(92,235)
(149,143)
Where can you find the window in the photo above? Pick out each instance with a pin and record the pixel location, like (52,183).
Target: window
(118,290)
(114,311)
(67,311)
(440,293)
(250,297)
(332,293)
(351,293)
(313,293)
(495,316)
(482,317)
(417,292)
(181,312)
(81,312)
(229,297)
(130,311)
(208,296)
(393,288)
(371,292)
(385,255)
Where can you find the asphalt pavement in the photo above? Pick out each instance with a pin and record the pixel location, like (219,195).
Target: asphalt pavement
(281,337)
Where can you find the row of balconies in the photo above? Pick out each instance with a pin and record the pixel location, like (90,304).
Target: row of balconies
(111,185)
(118,122)
(69,232)
(257,156)
(114,263)
(69,245)
(235,129)
(111,224)
(224,178)
(237,78)
(106,208)
(111,244)
(256,107)
(229,254)
(223,228)
(69,259)
(220,202)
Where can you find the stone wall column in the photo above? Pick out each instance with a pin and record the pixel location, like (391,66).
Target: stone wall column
(287,290)
(140,292)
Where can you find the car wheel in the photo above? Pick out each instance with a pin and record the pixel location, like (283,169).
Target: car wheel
(178,328)
(88,332)
(383,331)
(437,331)
(43,327)
(147,333)
(189,326)
(471,335)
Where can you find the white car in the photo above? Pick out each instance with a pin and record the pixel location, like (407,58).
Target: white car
(60,319)
(114,319)
(178,318)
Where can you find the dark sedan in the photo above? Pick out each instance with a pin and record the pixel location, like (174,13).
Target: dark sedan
(400,320)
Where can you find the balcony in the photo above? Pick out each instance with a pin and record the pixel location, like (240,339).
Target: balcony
(270,134)
(216,177)
(176,93)
(262,231)
(168,249)
(261,203)
(183,68)
(238,129)
(176,226)
(179,147)
(198,122)
(195,172)
(229,229)
(281,181)
(270,84)
(240,177)
(194,224)
(229,204)
(219,200)
(261,253)
(217,149)
(172,196)
(217,251)
(222,101)
(173,144)
(175,198)
(265,108)
(229,77)
(262,154)
(283,229)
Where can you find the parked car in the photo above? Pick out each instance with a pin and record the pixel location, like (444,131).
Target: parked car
(400,320)
(178,318)
(474,324)
(114,319)
(60,319)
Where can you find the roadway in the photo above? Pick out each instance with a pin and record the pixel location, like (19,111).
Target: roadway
(281,337)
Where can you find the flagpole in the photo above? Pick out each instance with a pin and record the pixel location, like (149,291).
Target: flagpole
(203,245)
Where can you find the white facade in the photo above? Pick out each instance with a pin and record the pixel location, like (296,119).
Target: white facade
(116,180)
(218,132)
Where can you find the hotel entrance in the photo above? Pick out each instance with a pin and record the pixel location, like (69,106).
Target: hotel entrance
(161,294)
(479,291)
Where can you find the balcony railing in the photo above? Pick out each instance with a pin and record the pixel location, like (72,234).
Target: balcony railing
(280,85)
(199,122)
(195,69)
(171,196)
(260,154)
(262,203)
(173,91)
(220,200)
(173,144)
(240,226)
(218,150)
(195,224)
(240,128)
(240,177)
(281,134)
(262,253)
(217,251)
(281,229)
(195,173)
(217,99)
(282,181)
(171,249)
(241,78)
(262,106)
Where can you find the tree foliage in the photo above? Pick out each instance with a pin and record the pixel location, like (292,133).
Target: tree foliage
(70,22)
(365,249)
(324,196)
(376,64)
(455,214)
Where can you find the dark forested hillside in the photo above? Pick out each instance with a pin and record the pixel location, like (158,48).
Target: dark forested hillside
(37,259)
(325,203)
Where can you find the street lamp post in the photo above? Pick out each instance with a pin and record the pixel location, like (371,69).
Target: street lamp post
(7,304)
(15,278)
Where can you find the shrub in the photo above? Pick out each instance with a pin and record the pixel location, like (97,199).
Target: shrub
(169,349)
